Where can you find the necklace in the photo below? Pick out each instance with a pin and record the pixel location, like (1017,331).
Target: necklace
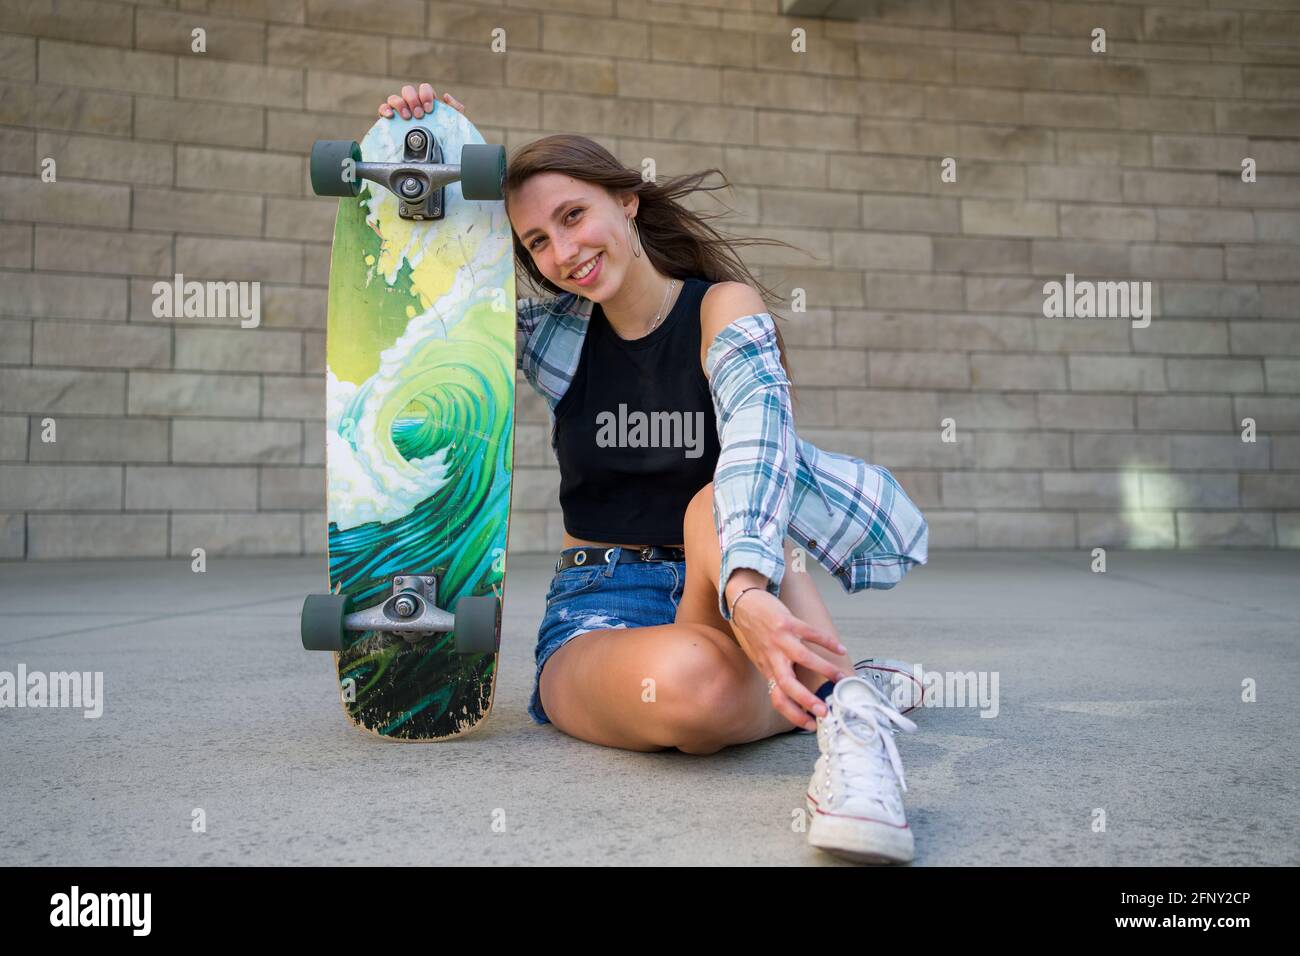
(659,317)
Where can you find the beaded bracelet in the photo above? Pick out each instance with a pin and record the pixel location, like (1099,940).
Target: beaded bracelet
(752,587)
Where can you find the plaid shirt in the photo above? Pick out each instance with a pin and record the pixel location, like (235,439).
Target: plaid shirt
(853,518)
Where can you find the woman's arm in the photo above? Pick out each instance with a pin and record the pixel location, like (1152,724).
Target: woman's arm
(753,485)
(528,313)
(546,349)
(753,490)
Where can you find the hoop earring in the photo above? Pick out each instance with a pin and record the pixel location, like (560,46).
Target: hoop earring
(628,220)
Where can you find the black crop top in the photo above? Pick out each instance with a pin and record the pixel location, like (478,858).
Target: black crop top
(636,434)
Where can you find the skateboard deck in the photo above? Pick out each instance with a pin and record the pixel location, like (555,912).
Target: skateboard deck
(420,376)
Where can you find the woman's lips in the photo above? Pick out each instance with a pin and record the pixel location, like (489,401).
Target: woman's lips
(591,276)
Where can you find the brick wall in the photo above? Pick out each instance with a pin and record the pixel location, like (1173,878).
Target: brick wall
(925,297)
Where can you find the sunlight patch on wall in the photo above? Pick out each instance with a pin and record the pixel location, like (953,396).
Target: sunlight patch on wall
(1148,500)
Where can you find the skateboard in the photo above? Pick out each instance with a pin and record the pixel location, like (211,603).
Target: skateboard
(419,424)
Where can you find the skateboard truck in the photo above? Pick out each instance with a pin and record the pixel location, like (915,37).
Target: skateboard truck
(410,612)
(419,181)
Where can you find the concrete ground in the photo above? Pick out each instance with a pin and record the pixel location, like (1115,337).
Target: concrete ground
(1118,693)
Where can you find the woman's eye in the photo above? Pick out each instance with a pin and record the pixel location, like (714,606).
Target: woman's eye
(533,244)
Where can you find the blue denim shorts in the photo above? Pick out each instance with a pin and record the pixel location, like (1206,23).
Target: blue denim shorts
(610,593)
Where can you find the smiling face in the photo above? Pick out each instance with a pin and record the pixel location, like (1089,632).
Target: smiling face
(565,224)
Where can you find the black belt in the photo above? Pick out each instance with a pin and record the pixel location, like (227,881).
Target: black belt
(585,557)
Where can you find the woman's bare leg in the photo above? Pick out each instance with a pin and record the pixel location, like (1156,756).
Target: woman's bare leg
(798,593)
(644,688)
(686,684)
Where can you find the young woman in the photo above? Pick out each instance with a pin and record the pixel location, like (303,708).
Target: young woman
(679,615)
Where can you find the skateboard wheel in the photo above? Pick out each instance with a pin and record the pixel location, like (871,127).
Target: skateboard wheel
(322,621)
(478,624)
(482,171)
(327,156)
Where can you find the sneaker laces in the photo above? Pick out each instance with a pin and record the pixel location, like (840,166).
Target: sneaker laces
(868,726)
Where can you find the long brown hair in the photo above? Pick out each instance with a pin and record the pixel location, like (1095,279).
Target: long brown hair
(679,242)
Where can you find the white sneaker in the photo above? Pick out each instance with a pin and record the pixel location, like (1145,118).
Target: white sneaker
(855,794)
(896,680)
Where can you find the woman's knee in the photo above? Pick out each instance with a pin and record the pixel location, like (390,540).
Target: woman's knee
(699,512)
(704,689)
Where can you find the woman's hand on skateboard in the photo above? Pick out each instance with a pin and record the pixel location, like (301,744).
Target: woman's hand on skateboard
(412,102)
